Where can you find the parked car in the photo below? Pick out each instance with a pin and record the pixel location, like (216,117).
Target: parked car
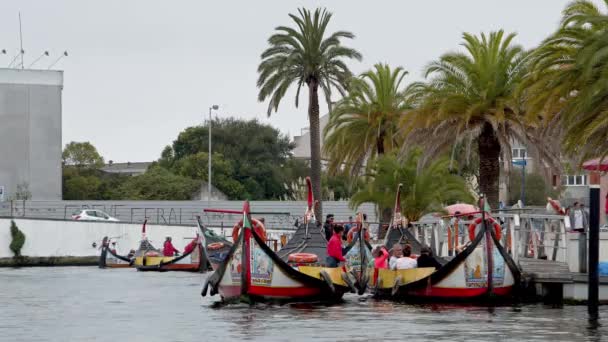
(93,215)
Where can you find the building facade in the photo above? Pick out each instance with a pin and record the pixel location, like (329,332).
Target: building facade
(30,134)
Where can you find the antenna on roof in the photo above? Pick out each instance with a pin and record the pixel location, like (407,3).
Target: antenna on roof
(21,40)
(64,54)
(45,53)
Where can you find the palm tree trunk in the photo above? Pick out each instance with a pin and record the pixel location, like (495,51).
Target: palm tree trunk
(489,167)
(380,144)
(315,146)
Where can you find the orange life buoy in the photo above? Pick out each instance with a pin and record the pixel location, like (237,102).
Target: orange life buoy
(215,246)
(473,226)
(257,226)
(305,258)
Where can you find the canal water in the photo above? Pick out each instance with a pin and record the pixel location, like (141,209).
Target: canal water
(89,304)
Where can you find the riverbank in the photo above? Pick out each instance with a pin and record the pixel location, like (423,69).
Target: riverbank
(26,261)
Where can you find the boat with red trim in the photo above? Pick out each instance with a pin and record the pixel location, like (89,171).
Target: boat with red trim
(481,271)
(252,272)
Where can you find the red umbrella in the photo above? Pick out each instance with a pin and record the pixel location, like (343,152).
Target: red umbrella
(463,208)
(595,165)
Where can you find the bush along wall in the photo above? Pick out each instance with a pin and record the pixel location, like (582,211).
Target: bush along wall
(18,240)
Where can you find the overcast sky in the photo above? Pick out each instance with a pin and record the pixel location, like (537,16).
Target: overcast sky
(139,72)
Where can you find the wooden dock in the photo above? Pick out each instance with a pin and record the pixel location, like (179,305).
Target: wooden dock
(545,271)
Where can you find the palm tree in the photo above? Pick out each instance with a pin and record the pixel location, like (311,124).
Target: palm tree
(308,55)
(564,77)
(471,97)
(424,190)
(363,124)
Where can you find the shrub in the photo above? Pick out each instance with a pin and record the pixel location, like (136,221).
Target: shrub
(18,240)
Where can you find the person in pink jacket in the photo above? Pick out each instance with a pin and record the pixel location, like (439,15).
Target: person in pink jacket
(380,255)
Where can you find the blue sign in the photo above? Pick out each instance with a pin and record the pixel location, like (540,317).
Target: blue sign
(519,162)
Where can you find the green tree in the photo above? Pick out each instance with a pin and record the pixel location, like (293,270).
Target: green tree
(257,154)
(536,189)
(195,166)
(18,240)
(424,190)
(82,155)
(306,55)
(158,184)
(472,96)
(82,187)
(364,124)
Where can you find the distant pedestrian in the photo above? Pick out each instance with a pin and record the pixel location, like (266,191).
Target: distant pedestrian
(328,226)
(579,218)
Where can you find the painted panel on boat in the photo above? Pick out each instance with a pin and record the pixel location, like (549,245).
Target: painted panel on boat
(262,266)
(353,258)
(386,277)
(475,268)
(278,278)
(234,266)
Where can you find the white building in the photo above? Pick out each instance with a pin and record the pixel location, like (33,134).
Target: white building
(30,133)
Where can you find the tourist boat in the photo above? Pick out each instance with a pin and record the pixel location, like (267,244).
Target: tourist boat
(216,248)
(483,270)
(252,272)
(110,259)
(359,261)
(190,261)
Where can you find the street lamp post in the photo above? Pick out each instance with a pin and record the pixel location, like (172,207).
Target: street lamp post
(214,107)
(522,163)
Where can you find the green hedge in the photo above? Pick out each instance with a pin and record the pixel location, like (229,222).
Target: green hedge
(18,240)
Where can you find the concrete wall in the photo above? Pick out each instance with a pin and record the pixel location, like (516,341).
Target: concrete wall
(278,214)
(30,132)
(47,238)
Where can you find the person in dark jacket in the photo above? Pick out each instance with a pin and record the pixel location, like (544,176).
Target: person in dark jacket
(426,258)
(328,226)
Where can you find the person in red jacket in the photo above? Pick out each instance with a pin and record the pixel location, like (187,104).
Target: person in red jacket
(168,249)
(334,248)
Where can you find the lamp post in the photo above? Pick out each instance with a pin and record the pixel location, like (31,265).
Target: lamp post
(522,163)
(214,107)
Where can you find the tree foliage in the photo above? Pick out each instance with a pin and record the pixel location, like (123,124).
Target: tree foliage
(158,184)
(424,190)
(81,155)
(363,124)
(536,189)
(247,157)
(473,97)
(17,240)
(568,88)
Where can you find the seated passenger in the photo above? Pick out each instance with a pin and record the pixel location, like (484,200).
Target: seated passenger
(168,248)
(426,259)
(380,255)
(131,254)
(396,253)
(406,262)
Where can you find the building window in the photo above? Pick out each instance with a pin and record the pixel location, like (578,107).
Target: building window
(574,180)
(519,153)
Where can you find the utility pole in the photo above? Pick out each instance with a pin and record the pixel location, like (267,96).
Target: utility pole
(214,107)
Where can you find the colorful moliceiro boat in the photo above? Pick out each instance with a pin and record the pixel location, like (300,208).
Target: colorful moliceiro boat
(252,272)
(149,258)
(482,271)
